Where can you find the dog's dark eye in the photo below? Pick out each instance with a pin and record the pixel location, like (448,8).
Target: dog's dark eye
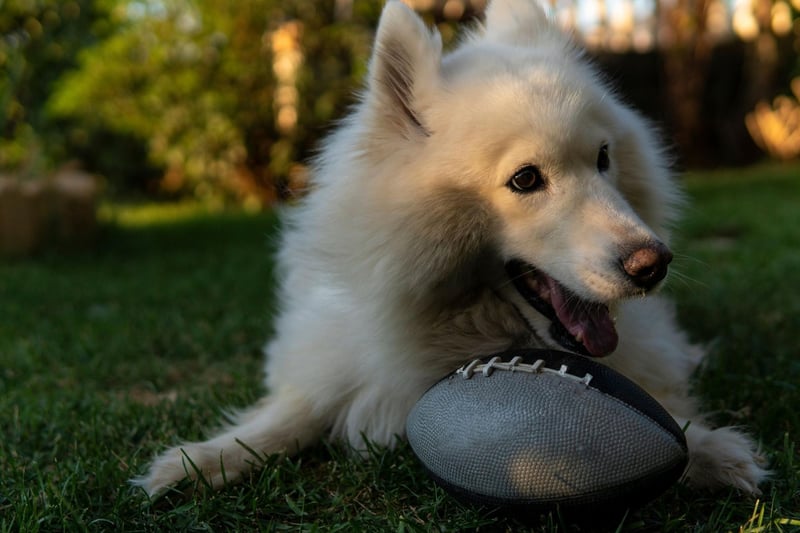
(527,179)
(603,161)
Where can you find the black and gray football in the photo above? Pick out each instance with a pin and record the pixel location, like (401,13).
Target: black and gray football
(538,429)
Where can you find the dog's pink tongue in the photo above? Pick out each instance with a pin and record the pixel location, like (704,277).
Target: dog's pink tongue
(590,323)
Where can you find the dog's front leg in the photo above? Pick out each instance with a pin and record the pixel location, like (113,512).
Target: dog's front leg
(283,422)
(723,457)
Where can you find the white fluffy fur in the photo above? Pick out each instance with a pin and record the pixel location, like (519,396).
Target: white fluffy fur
(392,267)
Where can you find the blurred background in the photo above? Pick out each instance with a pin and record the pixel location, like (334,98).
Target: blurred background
(223,101)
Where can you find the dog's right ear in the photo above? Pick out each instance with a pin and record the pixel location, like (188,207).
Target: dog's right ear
(404,70)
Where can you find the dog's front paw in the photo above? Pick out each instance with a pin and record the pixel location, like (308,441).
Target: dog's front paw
(724,457)
(191,461)
(166,470)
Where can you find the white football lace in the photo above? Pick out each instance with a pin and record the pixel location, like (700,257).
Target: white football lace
(496,363)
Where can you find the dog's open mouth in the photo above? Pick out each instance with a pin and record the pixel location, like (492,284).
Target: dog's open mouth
(578,325)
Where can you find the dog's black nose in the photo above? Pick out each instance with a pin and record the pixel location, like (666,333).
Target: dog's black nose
(646,266)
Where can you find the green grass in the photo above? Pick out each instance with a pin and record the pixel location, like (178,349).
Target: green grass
(107,356)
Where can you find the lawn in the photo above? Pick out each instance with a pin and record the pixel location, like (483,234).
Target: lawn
(108,355)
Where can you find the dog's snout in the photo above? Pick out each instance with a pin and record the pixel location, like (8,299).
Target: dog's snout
(646,266)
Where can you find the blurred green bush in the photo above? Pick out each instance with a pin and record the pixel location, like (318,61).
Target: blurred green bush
(181,96)
(39,42)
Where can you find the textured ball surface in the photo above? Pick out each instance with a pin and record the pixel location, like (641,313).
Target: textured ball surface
(537,429)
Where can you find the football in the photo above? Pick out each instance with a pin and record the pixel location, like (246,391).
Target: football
(537,430)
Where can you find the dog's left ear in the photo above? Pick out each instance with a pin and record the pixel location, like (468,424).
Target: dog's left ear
(518,22)
(404,69)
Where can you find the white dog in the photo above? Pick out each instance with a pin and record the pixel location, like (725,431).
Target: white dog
(494,197)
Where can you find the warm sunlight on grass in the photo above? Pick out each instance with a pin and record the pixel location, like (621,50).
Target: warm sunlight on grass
(152,214)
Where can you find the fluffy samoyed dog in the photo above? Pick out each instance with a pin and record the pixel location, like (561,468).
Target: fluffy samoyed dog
(499,196)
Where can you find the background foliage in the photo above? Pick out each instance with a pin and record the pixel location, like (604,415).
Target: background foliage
(225,100)
(196,82)
(136,89)
(40,41)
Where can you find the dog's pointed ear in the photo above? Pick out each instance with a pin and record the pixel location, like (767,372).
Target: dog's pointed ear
(404,69)
(519,22)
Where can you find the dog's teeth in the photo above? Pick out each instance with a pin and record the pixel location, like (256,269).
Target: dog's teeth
(579,337)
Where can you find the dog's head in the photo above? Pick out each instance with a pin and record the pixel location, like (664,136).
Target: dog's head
(508,158)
